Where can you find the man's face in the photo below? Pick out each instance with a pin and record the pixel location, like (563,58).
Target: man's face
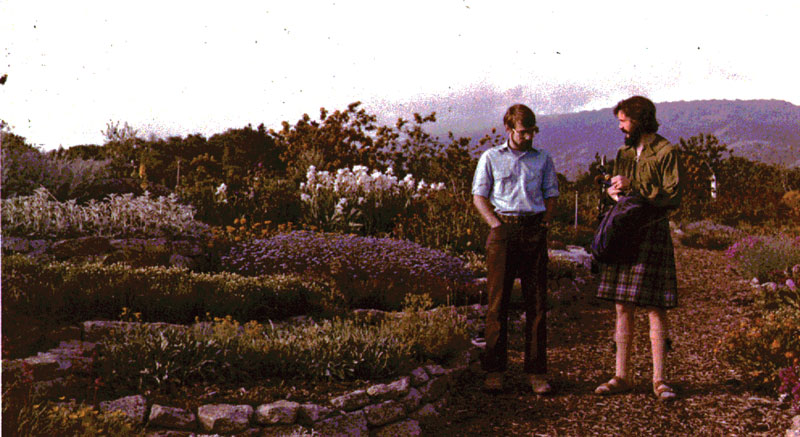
(633,133)
(521,137)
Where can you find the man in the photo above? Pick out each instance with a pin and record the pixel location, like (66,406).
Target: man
(646,165)
(515,190)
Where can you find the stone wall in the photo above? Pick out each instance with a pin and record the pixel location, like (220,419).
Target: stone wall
(399,407)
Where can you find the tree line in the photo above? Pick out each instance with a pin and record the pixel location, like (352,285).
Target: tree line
(261,168)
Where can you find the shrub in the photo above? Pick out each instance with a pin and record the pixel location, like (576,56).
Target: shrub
(23,166)
(765,258)
(446,221)
(764,346)
(338,349)
(437,334)
(369,271)
(42,216)
(709,235)
(75,293)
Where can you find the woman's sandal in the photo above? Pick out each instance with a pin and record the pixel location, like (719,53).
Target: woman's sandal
(662,391)
(613,386)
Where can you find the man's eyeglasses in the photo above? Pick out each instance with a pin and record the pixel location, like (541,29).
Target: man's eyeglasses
(531,131)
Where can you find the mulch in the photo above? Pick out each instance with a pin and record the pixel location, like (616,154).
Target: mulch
(714,399)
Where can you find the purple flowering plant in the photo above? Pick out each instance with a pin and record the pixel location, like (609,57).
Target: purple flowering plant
(790,384)
(368,271)
(766,258)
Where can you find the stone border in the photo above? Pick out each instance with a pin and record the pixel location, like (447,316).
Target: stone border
(399,407)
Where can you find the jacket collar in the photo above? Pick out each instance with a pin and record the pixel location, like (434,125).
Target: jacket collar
(648,149)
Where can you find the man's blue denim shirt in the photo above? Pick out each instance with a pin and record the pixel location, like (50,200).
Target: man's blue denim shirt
(515,185)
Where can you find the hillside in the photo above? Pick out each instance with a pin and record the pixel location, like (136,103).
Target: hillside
(762,130)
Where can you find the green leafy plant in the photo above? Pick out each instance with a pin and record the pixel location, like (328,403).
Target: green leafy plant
(141,357)
(70,293)
(764,346)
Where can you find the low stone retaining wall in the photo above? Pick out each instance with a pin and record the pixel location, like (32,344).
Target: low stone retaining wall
(399,407)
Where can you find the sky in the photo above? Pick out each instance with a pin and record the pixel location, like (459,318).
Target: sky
(174,67)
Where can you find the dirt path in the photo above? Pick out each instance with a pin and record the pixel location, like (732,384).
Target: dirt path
(713,400)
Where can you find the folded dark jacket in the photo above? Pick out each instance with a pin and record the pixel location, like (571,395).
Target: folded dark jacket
(622,229)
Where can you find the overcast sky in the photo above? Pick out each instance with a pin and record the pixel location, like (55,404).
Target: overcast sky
(170,67)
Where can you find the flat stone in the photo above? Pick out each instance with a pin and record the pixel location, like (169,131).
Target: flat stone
(171,417)
(393,390)
(170,433)
(425,415)
(134,407)
(16,244)
(69,386)
(419,376)
(435,370)
(351,401)
(81,246)
(351,424)
(310,413)
(406,428)
(281,431)
(385,412)
(434,389)
(280,412)
(412,400)
(182,261)
(224,418)
(186,248)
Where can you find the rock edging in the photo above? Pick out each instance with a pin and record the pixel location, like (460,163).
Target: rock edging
(399,407)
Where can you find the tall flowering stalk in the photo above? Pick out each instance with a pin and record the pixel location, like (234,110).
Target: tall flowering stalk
(42,215)
(357,201)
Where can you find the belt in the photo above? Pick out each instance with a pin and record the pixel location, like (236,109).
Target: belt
(521,219)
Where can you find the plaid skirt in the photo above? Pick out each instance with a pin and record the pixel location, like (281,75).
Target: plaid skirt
(651,280)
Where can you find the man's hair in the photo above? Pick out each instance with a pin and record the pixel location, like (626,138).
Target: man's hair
(641,110)
(519,113)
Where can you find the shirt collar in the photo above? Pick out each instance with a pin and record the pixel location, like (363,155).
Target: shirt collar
(647,149)
(506,148)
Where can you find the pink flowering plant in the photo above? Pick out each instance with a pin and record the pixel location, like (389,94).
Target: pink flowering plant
(790,384)
(767,258)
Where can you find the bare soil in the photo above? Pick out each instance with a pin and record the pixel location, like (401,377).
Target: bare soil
(713,399)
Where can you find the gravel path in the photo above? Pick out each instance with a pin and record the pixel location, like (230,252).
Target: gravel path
(713,398)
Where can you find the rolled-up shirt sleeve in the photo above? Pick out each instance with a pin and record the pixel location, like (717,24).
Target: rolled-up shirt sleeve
(482,181)
(549,179)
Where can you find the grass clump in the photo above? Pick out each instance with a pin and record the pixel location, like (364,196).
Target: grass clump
(224,350)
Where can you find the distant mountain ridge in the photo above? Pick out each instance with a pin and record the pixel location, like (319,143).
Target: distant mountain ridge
(761,130)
